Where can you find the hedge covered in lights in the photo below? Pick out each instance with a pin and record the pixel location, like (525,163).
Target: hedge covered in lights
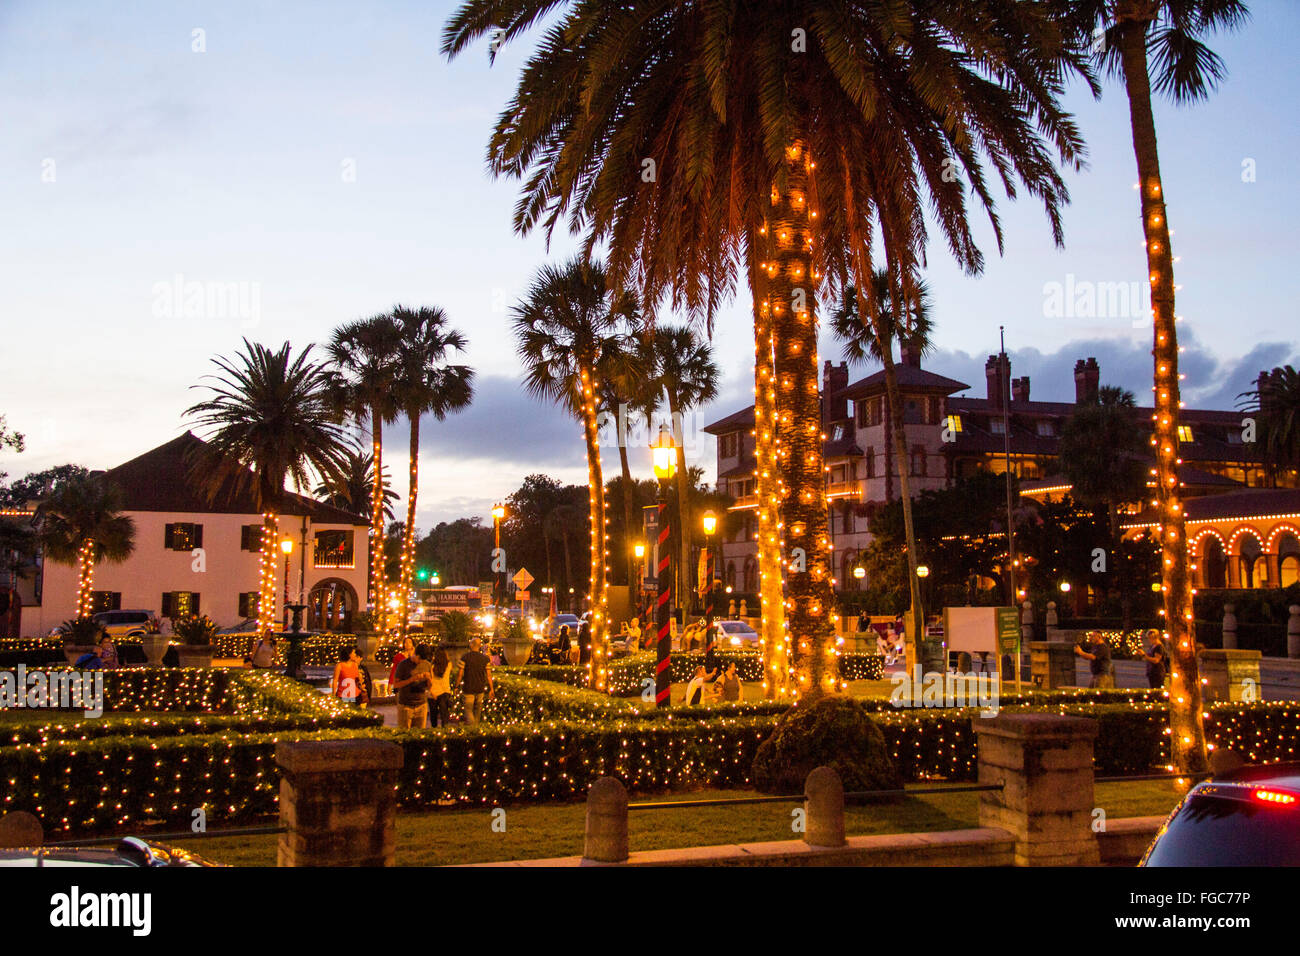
(628,675)
(123,781)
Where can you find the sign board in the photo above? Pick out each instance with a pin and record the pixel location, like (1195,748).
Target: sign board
(522,579)
(1008,630)
(522,595)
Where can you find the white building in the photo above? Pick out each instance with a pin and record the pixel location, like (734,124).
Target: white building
(194,557)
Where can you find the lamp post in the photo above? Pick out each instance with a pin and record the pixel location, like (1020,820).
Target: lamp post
(922,572)
(710,523)
(286,545)
(664,456)
(498,584)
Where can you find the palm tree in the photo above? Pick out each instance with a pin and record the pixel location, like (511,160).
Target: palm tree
(627,377)
(364,355)
(1166,34)
(908,323)
(1275,403)
(568,328)
(18,549)
(688,378)
(560,522)
(81,524)
(690,138)
(353,488)
(271,418)
(427,384)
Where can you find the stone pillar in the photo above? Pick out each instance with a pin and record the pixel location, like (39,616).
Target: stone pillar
(606,834)
(1293,632)
(18,828)
(1026,624)
(823,805)
(1229,674)
(338,799)
(1051,664)
(1052,621)
(1230,627)
(1044,762)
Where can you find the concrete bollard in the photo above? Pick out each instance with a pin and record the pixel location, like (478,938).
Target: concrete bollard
(1051,665)
(1228,674)
(1044,763)
(1229,627)
(1293,632)
(338,799)
(823,806)
(605,840)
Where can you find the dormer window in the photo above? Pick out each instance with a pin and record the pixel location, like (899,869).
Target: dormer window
(997,426)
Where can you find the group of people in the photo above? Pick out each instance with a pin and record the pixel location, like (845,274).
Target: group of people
(713,681)
(424,680)
(563,647)
(103,657)
(1102,667)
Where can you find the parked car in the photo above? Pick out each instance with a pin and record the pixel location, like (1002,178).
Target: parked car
(551,629)
(1247,817)
(247,626)
(126,623)
(736,634)
(131,851)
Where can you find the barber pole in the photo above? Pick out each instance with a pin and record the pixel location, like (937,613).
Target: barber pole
(663,677)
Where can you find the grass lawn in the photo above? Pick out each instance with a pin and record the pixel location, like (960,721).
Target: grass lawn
(440,837)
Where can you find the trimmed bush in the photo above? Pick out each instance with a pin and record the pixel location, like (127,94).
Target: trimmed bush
(834,732)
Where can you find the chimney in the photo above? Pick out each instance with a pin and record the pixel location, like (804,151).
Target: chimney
(835,378)
(1020,389)
(909,354)
(1087,379)
(997,374)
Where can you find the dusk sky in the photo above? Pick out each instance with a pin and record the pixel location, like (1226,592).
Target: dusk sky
(326,162)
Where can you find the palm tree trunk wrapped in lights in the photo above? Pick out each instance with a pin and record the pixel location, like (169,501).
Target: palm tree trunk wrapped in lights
(79,524)
(791,286)
(772,632)
(599,668)
(266,590)
(85,578)
(1187,729)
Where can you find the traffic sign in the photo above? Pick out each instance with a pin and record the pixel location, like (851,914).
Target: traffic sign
(522,579)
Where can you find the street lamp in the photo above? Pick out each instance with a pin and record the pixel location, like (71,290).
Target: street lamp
(710,523)
(286,545)
(663,455)
(638,551)
(859,572)
(498,576)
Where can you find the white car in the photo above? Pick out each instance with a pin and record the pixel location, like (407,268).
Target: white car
(736,634)
(125,623)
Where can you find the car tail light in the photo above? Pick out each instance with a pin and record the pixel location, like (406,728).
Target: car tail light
(1272,796)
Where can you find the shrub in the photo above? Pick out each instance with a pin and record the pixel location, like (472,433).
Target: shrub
(198,631)
(81,630)
(834,732)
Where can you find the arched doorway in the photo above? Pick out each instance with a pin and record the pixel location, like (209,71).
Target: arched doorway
(751,576)
(847,581)
(330,605)
(1252,565)
(1288,560)
(1214,567)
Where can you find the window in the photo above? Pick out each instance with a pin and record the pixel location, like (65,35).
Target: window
(913,411)
(248,602)
(837,433)
(105,601)
(860,408)
(954,424)
(997,426)
(1185,433)
(183,536)
(180,603)
(936,411)
(837,475)
(729,445)
(1046,429)
(250,537)
(333,549)
(871,462)
(918,461)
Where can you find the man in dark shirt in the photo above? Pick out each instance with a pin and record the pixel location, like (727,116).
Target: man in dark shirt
(412,687)
(584,642)
(1098,656)
(475,680)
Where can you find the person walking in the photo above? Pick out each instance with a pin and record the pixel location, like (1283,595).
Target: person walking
(1157,659)
(475,680)
(584,642)
(408,650)
(439,691)
(1098,656)
(412,684)
(731,686)
(346,682)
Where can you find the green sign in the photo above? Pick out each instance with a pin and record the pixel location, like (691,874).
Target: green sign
(1008,630)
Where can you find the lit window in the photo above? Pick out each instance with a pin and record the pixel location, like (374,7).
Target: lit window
(1185,433)
(954,423)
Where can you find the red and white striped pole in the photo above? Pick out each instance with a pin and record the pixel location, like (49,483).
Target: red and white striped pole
(663,674)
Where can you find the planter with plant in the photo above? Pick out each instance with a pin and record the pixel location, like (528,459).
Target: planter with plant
(196,634)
